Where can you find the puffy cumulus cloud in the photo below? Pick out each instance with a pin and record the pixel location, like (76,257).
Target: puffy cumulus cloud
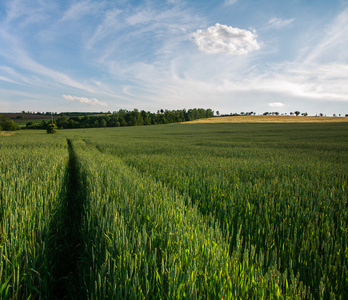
(84,100)
(276,104)
(280,23)
(226,39)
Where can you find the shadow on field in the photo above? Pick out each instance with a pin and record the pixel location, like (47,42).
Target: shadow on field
(65,244)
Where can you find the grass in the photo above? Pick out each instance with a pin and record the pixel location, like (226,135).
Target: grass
(180,211)
(32,173)
(23,123)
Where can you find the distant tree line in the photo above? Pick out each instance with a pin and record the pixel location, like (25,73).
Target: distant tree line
(274,113)
(124,118)
(296,113)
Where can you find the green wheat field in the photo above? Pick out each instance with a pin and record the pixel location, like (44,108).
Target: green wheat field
(178,211)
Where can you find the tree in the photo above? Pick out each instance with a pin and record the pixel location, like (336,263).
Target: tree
(209,113)
(52,128)
(43,124)
(62,121)
(103,123)
(8,124)
(123,121)
(146,117)
(296,113)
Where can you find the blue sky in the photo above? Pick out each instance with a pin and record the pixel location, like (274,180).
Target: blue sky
(229,55)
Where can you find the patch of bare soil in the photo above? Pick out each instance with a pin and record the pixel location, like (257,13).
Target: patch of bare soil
(6,133)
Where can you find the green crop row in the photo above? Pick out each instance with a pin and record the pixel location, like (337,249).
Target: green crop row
(289,200)
(31,180)
(144,240)
(180,211)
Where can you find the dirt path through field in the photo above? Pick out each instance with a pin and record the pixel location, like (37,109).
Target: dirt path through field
(67,236)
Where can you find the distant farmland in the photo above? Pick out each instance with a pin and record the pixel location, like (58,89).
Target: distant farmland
(28,117)
(270,119)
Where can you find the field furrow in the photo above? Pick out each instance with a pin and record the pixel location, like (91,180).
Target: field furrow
(66,237)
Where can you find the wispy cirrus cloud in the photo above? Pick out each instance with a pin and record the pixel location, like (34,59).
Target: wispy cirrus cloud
(226,39)
(34,73)
(280,23)
(6,79)
(106,28)
(332,42)
(230,2)
(85,100)
(21,15)
(80,9)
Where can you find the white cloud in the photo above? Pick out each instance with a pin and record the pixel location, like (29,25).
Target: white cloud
(280,23)
(84,100)
(333,41)
(14,52)
(276,104)
(3,78)
(24,13)
(80,9)
(226,39)
(107,27)
(141,17)
(230,2)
